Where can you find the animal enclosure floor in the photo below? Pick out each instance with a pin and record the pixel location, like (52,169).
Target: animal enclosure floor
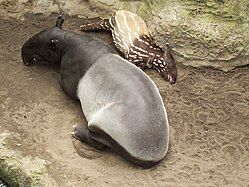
(208,112)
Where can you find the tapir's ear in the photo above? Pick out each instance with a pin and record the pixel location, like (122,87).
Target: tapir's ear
(54,44)
(167,50)
(166,47)
(59,22)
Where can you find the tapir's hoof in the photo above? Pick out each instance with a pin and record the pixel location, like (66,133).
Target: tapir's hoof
(74,132)
(83,134)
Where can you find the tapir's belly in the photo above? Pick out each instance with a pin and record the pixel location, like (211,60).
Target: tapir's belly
(121,100)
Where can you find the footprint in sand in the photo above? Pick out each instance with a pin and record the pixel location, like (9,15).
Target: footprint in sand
(86,151)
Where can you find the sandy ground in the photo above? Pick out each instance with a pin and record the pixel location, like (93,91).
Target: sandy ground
(208,112)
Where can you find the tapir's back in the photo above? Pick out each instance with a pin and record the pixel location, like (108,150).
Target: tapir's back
(127,27)
(121,100)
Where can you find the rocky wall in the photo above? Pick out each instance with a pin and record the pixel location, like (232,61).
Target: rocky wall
(201,32)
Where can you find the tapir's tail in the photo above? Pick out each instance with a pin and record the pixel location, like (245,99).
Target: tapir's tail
(94,24)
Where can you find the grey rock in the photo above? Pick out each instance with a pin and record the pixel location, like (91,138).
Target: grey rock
(20,170)
(201,33)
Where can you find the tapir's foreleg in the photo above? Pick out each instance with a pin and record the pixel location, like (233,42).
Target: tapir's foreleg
(83,134)
(94,24)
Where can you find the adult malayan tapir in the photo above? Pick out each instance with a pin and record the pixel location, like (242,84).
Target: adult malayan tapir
(122,105)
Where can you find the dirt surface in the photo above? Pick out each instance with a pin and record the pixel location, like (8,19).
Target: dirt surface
(208,112)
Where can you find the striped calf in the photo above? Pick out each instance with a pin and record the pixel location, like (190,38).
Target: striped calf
(132,38)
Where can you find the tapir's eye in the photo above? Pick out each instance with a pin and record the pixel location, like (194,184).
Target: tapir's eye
(170,66)
(53,44)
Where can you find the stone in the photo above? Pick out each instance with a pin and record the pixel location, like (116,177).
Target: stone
(201,33)
(204,33)
(20,170)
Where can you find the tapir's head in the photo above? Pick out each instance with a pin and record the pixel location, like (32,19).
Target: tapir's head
(44,47)
(168,70)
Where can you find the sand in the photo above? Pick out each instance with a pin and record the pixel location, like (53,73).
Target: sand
(208,112)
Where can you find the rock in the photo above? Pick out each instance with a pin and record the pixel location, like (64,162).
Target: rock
(18,8)
(19,170)
(204,33)
(201,33)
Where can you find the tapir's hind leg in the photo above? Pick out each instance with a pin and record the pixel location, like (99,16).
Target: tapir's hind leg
(94,24)
(84,135)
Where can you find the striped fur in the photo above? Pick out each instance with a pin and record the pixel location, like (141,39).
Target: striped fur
(96,24)
(131,36)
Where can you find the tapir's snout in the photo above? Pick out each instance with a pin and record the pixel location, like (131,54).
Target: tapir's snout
(24,53)
(27,54)
(30,62)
